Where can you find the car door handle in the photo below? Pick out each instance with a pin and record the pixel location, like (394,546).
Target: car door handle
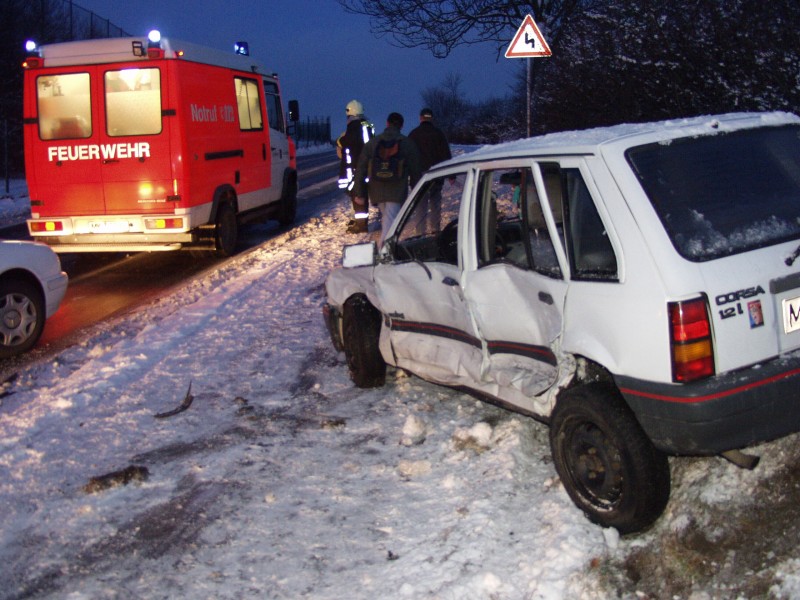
(449,281)
(545,297)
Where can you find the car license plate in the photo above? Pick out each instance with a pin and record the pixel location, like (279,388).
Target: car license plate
(791,315)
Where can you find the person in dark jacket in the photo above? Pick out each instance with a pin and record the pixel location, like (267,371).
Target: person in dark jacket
(430,140)
(387,192)
(433,148)
(349,145)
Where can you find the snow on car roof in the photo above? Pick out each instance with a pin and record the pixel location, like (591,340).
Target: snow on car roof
(588,141)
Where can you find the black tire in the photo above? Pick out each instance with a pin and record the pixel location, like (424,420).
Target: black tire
(226,230)
(288,210)
(361,328)
(607,464)
(22,315)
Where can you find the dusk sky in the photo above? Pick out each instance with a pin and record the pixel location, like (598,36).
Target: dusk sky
(323,55)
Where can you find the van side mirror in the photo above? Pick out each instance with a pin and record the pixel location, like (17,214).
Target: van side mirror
(294,110)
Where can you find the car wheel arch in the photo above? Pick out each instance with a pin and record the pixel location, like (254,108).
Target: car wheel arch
(19,274)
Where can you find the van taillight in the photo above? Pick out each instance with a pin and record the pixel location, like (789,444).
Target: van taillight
(46,226)
(164,223)
(690,340)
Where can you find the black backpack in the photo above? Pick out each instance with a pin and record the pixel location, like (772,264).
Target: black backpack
(386,163)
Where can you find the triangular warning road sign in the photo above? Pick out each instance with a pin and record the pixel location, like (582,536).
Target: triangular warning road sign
(528,42)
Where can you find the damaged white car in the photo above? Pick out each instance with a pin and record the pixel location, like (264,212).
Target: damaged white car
(636,287)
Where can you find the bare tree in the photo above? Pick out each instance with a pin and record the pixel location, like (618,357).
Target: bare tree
(447,102)
(441,25)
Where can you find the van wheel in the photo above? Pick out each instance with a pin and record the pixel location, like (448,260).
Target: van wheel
(226,231)
(288,210)
(21,317)
(609,467)
(361,328)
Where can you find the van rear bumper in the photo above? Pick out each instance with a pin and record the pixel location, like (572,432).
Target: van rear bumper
(730,411)
(123,242)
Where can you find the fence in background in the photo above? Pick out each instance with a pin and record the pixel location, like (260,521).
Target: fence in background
(314,131)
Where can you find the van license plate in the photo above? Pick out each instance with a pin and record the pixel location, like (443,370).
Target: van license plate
(108,226)
(791,315)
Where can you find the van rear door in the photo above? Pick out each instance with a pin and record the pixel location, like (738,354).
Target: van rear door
(63,124)
(134,143)
(101,147)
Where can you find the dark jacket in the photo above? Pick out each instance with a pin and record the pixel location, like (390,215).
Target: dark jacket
(391,191)
(352,142)
(432,144)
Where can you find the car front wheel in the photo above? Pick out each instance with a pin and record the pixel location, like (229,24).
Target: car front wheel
(608,465)
(21,317)
(361,328)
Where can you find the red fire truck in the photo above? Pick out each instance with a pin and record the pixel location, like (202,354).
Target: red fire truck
(144,144)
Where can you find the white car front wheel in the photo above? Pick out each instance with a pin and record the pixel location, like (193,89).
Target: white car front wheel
(22,316)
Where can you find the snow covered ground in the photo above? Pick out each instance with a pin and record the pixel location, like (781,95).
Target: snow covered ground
(283,480)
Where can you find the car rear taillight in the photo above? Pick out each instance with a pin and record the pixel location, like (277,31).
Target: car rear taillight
(690,340)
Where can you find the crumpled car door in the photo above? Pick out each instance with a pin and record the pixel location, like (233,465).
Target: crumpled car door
(429,325)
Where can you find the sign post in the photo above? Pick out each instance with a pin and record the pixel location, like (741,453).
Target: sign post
(528,43)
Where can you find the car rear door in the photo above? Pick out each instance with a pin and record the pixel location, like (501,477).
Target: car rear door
(516,289)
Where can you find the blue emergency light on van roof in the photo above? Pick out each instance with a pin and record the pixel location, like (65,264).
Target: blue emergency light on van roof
(242,48)
(154,39)
(30,46)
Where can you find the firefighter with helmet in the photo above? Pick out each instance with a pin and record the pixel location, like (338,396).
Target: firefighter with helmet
(348,146)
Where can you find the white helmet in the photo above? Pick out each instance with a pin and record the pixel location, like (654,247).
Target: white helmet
(354,108)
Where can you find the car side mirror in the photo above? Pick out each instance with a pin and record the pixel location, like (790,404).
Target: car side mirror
(359,255)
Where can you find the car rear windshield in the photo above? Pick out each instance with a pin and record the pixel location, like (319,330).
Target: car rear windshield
(727,193)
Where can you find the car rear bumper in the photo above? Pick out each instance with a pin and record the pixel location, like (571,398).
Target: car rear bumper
(730,411)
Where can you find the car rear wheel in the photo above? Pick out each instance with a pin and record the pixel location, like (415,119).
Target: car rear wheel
(226,231)
(609,467)
(22,316)
(361,328)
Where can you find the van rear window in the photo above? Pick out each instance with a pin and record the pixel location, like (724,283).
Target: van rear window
(133,102)
(724,194)
(65,107)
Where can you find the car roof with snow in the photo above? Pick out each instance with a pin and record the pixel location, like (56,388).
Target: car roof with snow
(591,141)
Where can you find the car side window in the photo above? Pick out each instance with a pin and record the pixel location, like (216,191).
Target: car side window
(511,224)
(429,230)
(589,247)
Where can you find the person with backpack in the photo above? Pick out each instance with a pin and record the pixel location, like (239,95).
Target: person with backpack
(349,146)
(388,164)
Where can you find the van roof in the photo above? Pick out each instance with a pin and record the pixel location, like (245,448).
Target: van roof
(112,50)
(590,141)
